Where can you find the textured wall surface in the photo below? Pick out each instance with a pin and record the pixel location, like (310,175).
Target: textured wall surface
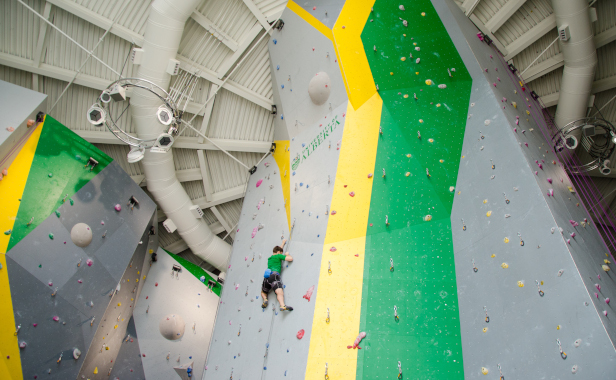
(166,293)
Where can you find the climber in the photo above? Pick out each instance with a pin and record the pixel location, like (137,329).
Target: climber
(272,277)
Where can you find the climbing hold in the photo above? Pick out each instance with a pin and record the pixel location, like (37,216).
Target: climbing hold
(485,329)
(487,122)
(428,81)
(442,86)
(117,207)
(56,318)
(489,213)
(505,265)
(309,293)
(521,284)
(506,240)
(22,344)
(574,369)
(259,182)
(484,370)
(427,218)
(352,193)
(51,236)
(369,175)
(333,249)
(300,334)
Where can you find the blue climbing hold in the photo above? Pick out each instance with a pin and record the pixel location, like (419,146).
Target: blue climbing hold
(284,286)
(312,254)
(285,372)
(189,369)
(202,278)
(291,89)
(234,357)
(257,297)
(264,367)
(282,86)
(307,186)
(275,42)
(287,351)
(318,235)
(293,173)
(277,67)
(267,345)
(301,184)
(281,117)
(302,210)
(303,145)
(317,217)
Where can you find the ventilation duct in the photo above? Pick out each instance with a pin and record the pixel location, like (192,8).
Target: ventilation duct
(580,57)
(163,32)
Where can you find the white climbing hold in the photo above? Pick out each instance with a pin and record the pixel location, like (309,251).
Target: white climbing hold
(487,122)
(417,60)
(441,86)
(401,7)
(76,353)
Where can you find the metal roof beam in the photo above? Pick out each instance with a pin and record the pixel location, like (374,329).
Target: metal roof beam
(208,25)
(207,112)
(487,32)
(257,13)
(528,38)
(244,45)
(98,20)
(236,88)
(469,6)
(221,219)
(96,137)
(205,175)
(503,14)
(38,53)
(184,175)
(597,86)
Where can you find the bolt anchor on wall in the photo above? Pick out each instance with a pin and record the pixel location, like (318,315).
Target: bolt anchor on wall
(541,293)
(560,349)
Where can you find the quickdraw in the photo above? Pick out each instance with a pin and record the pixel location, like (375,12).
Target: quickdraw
(327,319)
(521,241)
(396,313)
(329,267)
(560,348)
(326,375)
(487,318)
(474,267)
(506,199)
(463,225)
(501,373)
(493,166)
(399,370)
(391,265)
(538,288)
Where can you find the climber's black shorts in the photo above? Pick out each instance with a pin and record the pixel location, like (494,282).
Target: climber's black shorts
(271,283)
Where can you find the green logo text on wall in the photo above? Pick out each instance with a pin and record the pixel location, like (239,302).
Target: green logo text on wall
(315,143)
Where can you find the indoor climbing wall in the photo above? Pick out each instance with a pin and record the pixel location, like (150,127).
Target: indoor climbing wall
(527,254)
(174,318)
(251,342)
(71,251)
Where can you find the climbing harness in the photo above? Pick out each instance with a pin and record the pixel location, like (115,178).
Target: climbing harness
(487,318)
(538,288)
(560,348)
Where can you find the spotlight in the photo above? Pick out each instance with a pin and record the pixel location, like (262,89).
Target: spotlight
(571,142)
(118,93)
(163,143)
(605,170)
(105,96)
(165,116)
(136,154)
(96,115)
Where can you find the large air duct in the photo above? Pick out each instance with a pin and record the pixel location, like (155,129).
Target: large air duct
(580,57)
(162,39)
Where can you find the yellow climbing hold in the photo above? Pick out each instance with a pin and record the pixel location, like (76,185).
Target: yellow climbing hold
(459,192)
(144,277)
(485,329)
(606,261)
(424,14)
(138,272)
(438,104)
(404,35)
(428,82)
(527,112)
(414,43)
(115,327)
(521,284)
(408,155)
(441,160)
(107,348)
(505,265)
(391,73)
(558,327)
(427,218)
(463,156)
(506,240)
(119,304)
(406,96)
(485,201)
(95,370)
(403,59)
(416,72)
(421,120)
(484,370)
(605,268)
(408,174)
(493,256)
(431,140)
(541,282)
(137,280)
(489,213)
(128,280)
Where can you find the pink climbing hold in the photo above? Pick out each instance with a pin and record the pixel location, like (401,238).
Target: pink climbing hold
(117,207)
(597,295)
(333,212)
(237,286)
(536,172)
(156,284)
(259,182)
(369,175)
(526,144)
(333,249)
(598,287)
(494,84)
(352,193)
(343,114)
(541,166)
(254,232)
(549,180)
(56,318)
(300,334)
(312,49)
(569,241)
(229,322)
(605,313)
(89,262)
(80,281)
(246,258)
(573,223)
(309,293)
(515,130)
(607,301)
(551,192)
(573,234)
(50,283)
(355,345)
(314,8)
(34,324)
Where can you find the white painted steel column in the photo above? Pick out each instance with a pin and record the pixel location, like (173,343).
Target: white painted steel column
(162,39)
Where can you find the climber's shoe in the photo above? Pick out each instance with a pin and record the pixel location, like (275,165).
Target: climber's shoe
(264,304)
(286,308)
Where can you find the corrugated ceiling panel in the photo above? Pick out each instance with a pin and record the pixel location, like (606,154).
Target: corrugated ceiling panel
(18,77)
(72,108)
(185,158)
(271,8)
(234,117)
(134,16)
(609,112)
(65,54)
(606,56)
(194,189)
(165,238)
(19,28)
(230,16)
(529,15)
(255,72)
(209,217)
(486,9)
(522,60)
(118,153)
(200,46)
(606,15)
(547,84)
(231,211)
(225,173)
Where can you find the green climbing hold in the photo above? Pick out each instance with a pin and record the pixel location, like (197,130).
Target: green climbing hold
(57,213)
(8,232)
(72,201)
(50,175)
(51,236)
(40,265)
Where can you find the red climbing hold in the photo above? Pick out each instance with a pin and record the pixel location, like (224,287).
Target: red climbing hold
(156,284)
(352,193)
(309,293)
(345,185)
(333,212)
(300,334)
(357,255)
(333,249)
